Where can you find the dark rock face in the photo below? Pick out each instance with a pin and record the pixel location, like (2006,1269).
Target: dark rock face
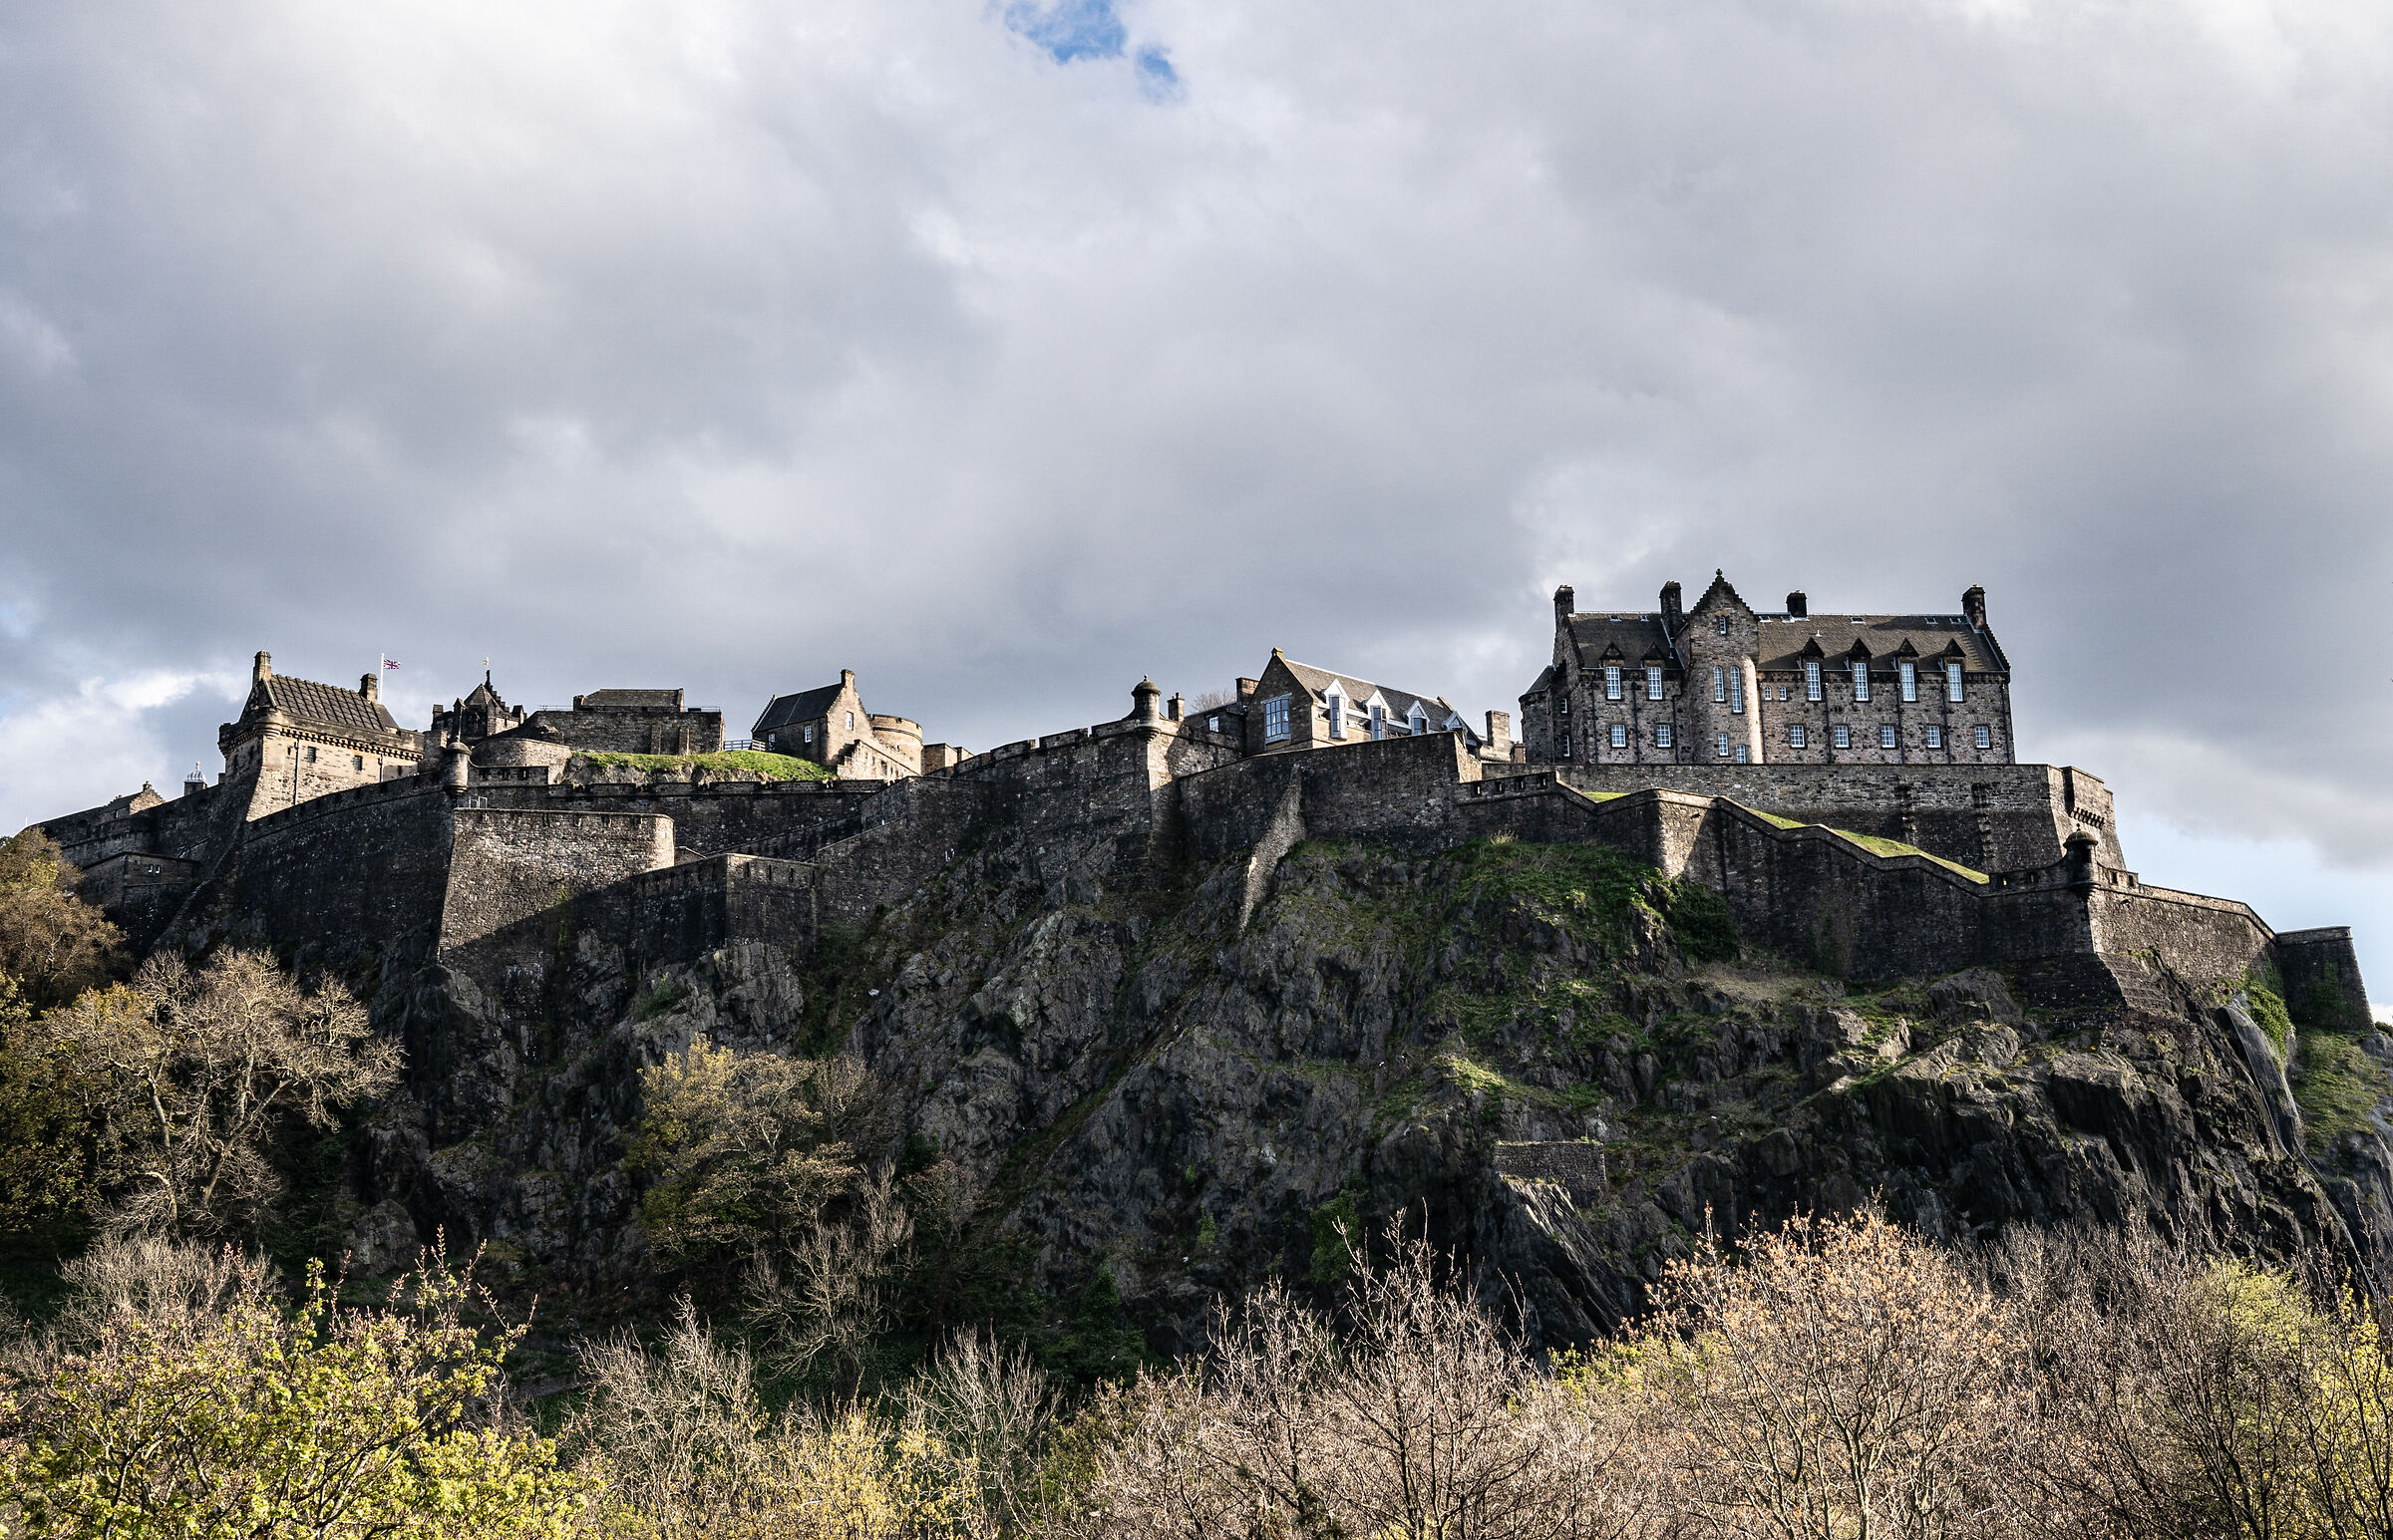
(1506,1042)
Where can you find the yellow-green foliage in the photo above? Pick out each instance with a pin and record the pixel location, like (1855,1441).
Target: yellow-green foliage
(753,761)
(322,1422)
(1878,844)
(2269,1013)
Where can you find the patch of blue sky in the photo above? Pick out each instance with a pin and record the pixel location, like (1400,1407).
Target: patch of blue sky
(1075,30)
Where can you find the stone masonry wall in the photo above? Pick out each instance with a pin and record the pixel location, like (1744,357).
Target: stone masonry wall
(510,866)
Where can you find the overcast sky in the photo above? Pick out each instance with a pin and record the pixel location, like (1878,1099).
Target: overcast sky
(1006,352)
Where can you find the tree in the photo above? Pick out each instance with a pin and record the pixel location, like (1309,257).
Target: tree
(206,1067)
(50,1128)
(245,1418)
(52,943)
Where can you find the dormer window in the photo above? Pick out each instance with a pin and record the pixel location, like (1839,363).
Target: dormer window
(1379,723)
(1811,680)
(1654,681)
(1337,713)
(1952,681)
(1861,680)
(1418,722)
(1612,681)
(1910,679)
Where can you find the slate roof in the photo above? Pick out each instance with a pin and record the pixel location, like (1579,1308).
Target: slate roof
(1636,636)
(1784,638)
(303,700)
(1400,702)
(789,709)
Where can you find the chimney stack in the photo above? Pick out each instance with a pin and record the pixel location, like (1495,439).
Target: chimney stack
(1499,735)
(370,686)
(848,679)
(1796,605)
(1672,604)
(1248,688)
(261,668)
(1565,602)
(1172,707)
(1974,605)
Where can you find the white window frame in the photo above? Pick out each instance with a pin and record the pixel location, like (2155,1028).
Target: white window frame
(1719,684)
(1839,736)
(1985,735)
(1724,746)
(1886,735)
(1910,679)
(1417,723)
(1564,743)
(1619,735)
(852,722)
(1275,720)
(1612,681)
(1720,624)
(1952,681)
(1379,723)
(1861,680)
(1654,681)
(1662,736)
(1811,680)
(1797,738)
(1736,691)
(1935,736)
(1742,753)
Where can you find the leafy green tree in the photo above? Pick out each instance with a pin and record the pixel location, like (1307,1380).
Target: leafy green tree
(52,943)
(50,1130)
(254,1420)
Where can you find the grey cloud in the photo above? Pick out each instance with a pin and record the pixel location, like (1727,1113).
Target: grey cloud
(727,344)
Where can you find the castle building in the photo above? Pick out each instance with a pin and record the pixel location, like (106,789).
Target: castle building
(830,726)
(296,739)
(1724,684)
(1296,706)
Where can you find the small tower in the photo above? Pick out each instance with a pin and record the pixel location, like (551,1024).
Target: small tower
(1144,698)
(195,782)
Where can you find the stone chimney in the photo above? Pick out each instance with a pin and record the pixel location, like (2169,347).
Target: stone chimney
(370,686)
(1673,607)
(195,782)
(1248,688)
(1142,700)
(261,668)
(1565,602)
(1172,707)
(1974,605)
(847,679)
(1499,735)
(1796,605)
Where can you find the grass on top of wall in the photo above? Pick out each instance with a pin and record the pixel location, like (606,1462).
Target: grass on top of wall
(1878,844)
(753,761)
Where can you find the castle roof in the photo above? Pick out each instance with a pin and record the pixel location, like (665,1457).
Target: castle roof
(629,700)
(304,699)
(789,709)
(1355,688)
(1786,639)
(1637,638)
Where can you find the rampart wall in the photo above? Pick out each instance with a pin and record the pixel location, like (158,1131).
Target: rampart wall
(351,869)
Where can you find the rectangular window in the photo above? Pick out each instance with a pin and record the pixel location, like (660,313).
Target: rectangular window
(1724,746)
(1612,681)
(1564,742)
(1811,681)
(1619,735)
(1935,736)
(1275,720)
(1653,682)
(1736,690)
(357,761)
(311,755)
(1885,737)
(1952,681)
(1661,735)
(1213,724)
(1379,723)
(1910,679)
(1796,736)
(1985,736)
(807,733)
(1337,716)
(1841,736)
(1861,680)
(1720,624)
(1719,683)
(1741,752)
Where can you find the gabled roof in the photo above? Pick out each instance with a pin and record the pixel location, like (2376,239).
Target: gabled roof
(303,700)
(1400,702)
(1543,680)
(1722,590)
(789,709)
(1788,639)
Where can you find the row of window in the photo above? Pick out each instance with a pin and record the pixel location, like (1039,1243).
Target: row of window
(1798,737)
(1276,722)
(1728,684)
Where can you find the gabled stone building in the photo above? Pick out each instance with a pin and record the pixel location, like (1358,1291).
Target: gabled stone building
(830,726)
(1724,684)
(1296,706)
(296,739)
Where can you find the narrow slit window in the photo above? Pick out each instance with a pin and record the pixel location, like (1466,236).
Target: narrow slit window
(1910,679)
(1337,716)
(1841,737)
(1952,681)
(1886,736)
(1811,681)
(1736,690)
(1861,680)
(1612,681)
(1653,682)
(1619,735)
(1985,736)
